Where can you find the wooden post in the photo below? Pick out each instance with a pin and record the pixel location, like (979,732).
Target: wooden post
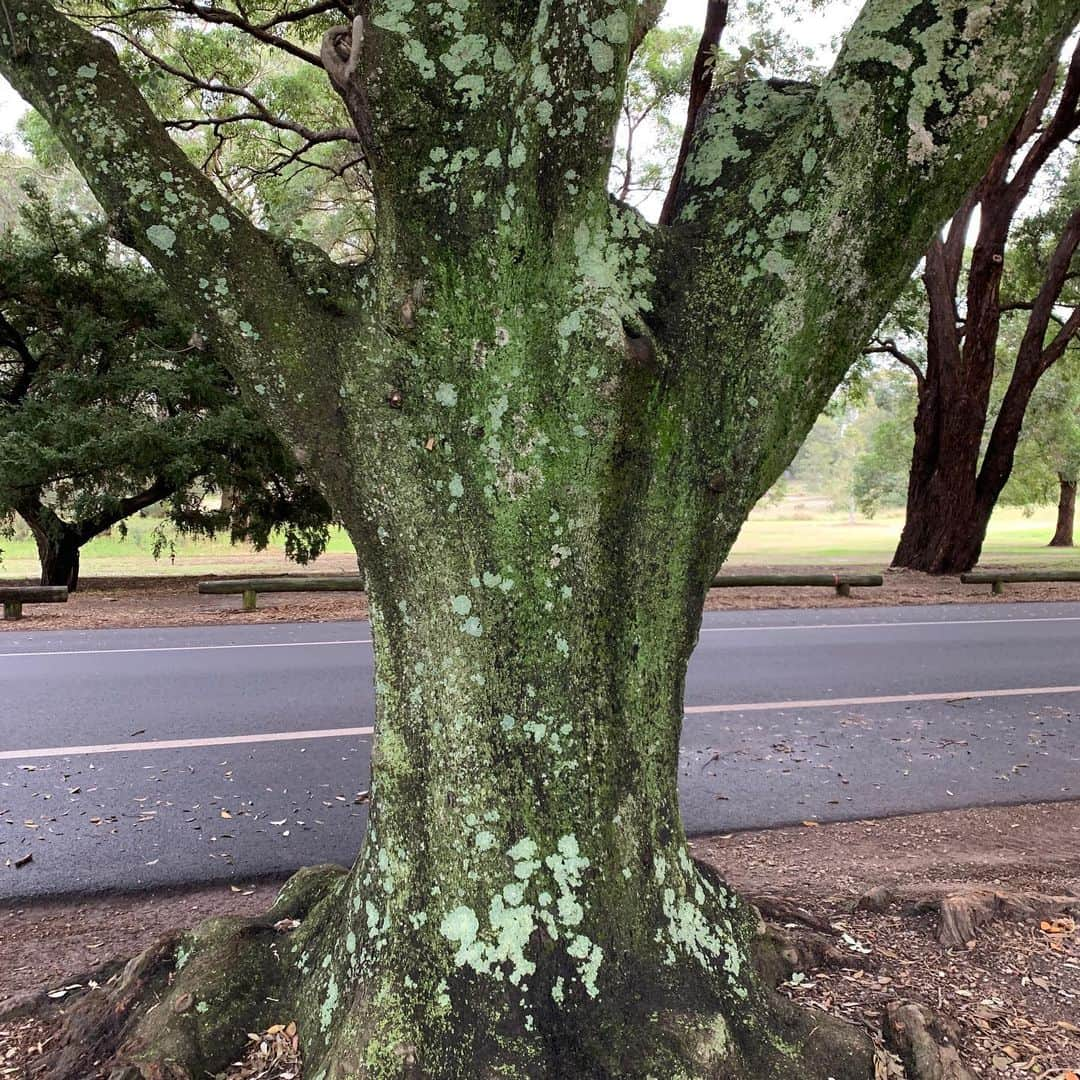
(250,599)
(843,589)
(12,610)
(998,588)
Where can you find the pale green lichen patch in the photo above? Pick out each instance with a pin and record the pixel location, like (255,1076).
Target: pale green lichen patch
(392,17)
(329,1004)
(161,236)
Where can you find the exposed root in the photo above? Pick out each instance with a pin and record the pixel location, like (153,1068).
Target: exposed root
(96,1023)
(925,1041)
(962,912)
(182,1008)
(780,909)
(782,950)
(37,1002)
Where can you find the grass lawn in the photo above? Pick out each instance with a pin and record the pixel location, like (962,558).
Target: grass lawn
(814,537)
(797,532)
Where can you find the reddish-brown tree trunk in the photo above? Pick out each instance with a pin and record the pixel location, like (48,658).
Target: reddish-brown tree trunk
(946,519)
(954,486)
(1063,534)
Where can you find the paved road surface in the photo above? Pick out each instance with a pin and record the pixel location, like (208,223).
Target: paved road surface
(782,726)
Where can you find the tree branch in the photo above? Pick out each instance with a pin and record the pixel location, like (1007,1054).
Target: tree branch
(11,338)
(701,77)
(890,348)
(264,302)
(1062,125)
(261,113)
(1058,271)
(123,509)
(645,18)
(1070,330)
(260,32)
(821,200)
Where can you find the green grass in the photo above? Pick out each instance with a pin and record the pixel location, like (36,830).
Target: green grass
(788,536)
(799,532)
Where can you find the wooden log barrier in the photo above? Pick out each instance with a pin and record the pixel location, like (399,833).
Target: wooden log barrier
(14,596)
(998,579)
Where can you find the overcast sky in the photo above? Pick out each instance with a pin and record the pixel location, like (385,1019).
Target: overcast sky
(818,30)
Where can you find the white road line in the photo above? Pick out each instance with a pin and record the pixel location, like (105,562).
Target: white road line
(185,744)
(193,648)
(333,733)
(887,699)
(704,630)
(890,625)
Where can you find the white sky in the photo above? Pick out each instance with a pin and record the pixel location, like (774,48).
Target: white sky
(818,29)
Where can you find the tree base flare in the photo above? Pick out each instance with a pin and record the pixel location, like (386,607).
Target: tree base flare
(184,1007)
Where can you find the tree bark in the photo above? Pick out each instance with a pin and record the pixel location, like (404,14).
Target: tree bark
(946,521)
(523,904)
(953,486)
(1066,515)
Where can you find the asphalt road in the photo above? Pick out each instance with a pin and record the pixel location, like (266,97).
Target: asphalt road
(791,716)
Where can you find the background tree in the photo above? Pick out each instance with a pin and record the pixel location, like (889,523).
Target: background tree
(542,422)
(858,451)
(1047,463)
(657,83)
(108,407)
(960,465)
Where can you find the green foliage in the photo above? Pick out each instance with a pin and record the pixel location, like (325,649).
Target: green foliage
(258,121)
(859,451)
(651,125)
(880,475)
(1049,450)
(107,403)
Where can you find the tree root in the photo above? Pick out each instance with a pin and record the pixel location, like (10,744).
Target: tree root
(182,1010)
(925,1041)
(39,1002)
(183,1007)
(962,912)
(782,950)
(780,909)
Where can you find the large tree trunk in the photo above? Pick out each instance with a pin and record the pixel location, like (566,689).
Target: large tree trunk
(945,523)
(542,422)
(58,545)
(59,561)
(524,904)
(1066,516)
(946,519)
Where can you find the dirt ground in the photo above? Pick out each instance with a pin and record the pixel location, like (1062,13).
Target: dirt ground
(174,601)
(1014,994)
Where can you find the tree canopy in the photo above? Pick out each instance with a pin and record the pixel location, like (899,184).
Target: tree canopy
(108,405)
